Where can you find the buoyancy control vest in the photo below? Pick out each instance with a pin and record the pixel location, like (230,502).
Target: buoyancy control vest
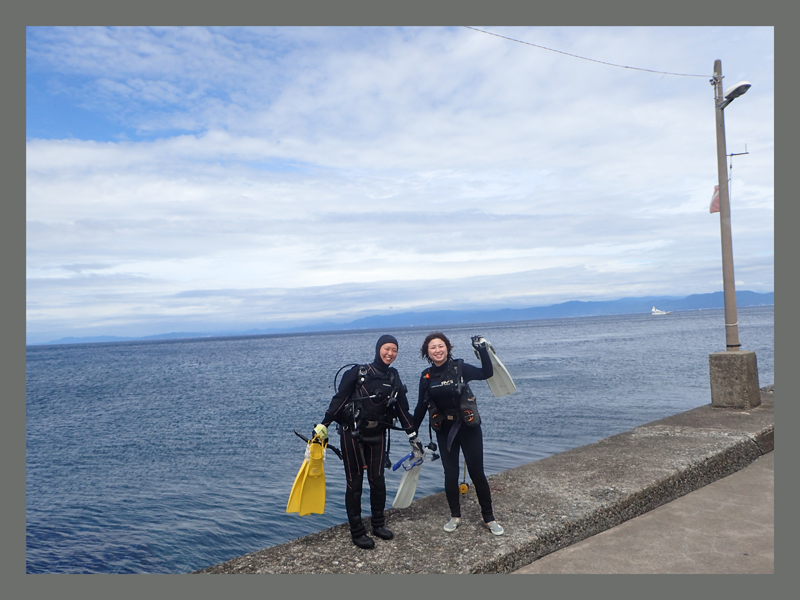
(462,407)
(368,412)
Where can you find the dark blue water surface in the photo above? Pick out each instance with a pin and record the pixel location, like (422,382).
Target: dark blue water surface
(167,457)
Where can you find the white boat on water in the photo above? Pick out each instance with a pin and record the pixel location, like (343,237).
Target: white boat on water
(655,311)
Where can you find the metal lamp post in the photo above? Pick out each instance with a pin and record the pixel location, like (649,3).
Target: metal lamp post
(728,281)
(734,374)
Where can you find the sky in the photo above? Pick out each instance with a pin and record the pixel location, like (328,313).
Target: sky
(207,179)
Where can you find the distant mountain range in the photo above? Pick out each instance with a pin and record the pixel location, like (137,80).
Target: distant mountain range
(573,308)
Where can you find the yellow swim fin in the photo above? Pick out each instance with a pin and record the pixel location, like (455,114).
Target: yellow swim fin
(297,489)
(312,498)
(308,492)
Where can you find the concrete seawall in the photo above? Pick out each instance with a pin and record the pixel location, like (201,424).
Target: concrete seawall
(545,505)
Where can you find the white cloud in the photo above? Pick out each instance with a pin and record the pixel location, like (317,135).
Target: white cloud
(380,161)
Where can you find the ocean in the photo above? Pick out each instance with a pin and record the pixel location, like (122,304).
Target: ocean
(171,456)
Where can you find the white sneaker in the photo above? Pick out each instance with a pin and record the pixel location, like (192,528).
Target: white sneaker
(494,527)
(451,525)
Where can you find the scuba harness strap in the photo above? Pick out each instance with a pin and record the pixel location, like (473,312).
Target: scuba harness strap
(467,411)
(363,420)
(460,388)
(436,415)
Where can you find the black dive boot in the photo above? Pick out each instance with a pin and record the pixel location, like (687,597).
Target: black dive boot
(358,533)
(378,523)
(364,541)
(382,532)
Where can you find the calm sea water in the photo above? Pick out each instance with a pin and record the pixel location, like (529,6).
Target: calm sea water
(167,457)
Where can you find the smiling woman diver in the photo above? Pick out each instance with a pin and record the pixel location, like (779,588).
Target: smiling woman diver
(368,399)
(445,395)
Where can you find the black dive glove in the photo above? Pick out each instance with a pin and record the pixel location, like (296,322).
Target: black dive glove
(416,445)
(478,342)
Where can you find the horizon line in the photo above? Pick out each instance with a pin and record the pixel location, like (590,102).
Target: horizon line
(341,328)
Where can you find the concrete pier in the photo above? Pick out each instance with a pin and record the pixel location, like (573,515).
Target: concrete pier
(725,527)
(546,505)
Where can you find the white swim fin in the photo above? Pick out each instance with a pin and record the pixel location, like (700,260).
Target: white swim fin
(500,382)
(412,465)
(407,488)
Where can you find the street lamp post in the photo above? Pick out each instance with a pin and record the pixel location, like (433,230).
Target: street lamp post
(728,281)
(734,374)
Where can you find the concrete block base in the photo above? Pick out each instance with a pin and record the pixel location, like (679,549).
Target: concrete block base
(734,379)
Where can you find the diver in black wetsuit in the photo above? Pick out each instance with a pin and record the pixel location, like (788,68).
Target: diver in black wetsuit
(368,398)
(444,393)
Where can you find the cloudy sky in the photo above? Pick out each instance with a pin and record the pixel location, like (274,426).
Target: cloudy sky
(207,179)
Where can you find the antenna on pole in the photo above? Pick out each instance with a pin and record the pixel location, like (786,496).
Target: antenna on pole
(730,165)
(739,153)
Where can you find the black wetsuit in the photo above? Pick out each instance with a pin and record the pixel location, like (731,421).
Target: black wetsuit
(441,389)
(372,446)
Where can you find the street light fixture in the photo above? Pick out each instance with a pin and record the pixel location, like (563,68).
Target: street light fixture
(734,374)
(736,91)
